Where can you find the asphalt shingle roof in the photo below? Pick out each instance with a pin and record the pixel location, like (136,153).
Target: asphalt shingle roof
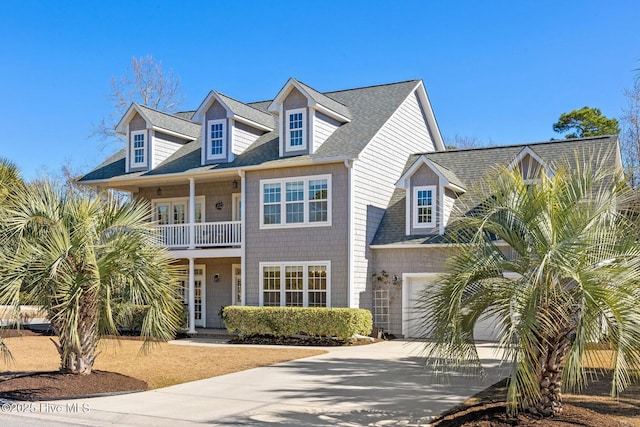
(472,165)
(248,112)
(171,122)
(326,100)
(369,108)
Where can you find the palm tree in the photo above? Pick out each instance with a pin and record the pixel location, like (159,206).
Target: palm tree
(576,256)
(72,254)
(9,178)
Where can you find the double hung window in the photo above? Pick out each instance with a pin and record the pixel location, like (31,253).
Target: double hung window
(216,136)
(424,206)
(138,148)
(295,136)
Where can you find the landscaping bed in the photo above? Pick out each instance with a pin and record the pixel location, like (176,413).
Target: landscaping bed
(298,341)
(592,408)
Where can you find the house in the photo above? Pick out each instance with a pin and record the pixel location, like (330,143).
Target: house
(305,199)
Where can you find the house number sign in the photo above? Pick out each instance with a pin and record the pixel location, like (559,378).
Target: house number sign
(219,205)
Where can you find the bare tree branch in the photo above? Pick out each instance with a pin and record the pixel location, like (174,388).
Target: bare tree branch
(144,82)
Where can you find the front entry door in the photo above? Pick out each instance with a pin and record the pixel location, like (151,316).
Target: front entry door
(199,294)
(236,285)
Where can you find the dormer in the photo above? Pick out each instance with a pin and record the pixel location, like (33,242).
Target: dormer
(430,192)
(530,165)
(228,127)
(306,118)
(153,136)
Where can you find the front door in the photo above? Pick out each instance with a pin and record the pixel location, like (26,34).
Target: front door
(199,293)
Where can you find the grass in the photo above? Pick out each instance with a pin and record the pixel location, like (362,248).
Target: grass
(165,365)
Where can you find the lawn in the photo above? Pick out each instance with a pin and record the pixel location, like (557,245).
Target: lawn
(165,365)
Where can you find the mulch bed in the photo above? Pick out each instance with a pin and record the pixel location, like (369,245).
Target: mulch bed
(58,385)
(494,415)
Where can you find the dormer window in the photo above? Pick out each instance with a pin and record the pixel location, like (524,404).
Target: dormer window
(424,212)
(216,136)
(296,130)
(138,148)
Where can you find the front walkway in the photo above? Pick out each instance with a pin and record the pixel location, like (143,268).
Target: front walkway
(379,384)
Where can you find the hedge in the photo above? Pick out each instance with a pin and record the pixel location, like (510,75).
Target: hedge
(341,323)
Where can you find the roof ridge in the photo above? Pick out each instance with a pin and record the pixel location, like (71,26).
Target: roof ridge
(165,113)
(341,90)
(526,144)
(372,86)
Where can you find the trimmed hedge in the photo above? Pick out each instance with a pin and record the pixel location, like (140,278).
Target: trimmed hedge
(128,316)
(341,323)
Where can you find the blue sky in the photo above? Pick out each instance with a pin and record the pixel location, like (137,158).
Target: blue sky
(502,71)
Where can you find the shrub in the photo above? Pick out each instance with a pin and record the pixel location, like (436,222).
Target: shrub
(129,317)
(341,323)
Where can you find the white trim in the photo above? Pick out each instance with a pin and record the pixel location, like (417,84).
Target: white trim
(498,243)
(440,211)
(171,200)
(172,133)
(407,210)
(405,180)
(305,201)
(304,129)
(236,200)
(311,103)
(311,132)
(405,296)
(352,234)
(529,151)
(145,149)
(208,146)
(231,135)
(438,142)
(305,289)
(234,299)
(433,206)
(205,253)
(243,228)
(327,112)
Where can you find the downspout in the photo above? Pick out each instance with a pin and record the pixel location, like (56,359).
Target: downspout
(192,213)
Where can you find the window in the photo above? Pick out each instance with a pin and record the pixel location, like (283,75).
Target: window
(295,284)
(138,148)
(295,202)
(424,202)
(216,147)
(175,211)
(296,130)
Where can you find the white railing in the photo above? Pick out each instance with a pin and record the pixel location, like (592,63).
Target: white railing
(207,234)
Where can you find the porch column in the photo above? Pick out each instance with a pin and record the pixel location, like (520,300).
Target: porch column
(192,297)
(192,213)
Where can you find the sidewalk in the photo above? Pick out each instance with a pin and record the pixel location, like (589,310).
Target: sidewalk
(384,383)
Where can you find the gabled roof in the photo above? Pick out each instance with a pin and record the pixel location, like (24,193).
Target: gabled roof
(237,110)
(471,166)
(528,151)
(370,108)
(341,112)
(447,177)
(160,121)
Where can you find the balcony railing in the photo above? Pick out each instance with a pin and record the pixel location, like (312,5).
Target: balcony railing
(207,234)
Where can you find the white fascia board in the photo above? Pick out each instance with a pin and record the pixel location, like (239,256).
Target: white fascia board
(431,118)
(173,133)
(327,112)
(198,116)
(251,123)
(405,179)
(121,127)
(498,243)
(529,151)
(180,176)
(282,94)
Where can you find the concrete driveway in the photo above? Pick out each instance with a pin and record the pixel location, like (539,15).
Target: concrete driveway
(379,384)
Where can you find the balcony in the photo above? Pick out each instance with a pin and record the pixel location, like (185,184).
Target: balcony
(207,234)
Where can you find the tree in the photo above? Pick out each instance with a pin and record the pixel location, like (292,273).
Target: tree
(630,135)
(586,121)
(577,256)
(145,82)
(9,179)
(459,142)
(71,255)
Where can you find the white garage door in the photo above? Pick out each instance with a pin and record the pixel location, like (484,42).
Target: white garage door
(414,318)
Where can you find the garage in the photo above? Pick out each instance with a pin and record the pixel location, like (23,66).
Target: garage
(413,319)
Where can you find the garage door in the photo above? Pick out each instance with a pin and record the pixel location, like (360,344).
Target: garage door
(413,318)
